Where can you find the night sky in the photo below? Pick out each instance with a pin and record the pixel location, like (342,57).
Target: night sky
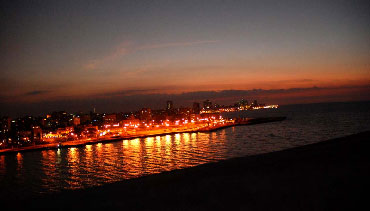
(124,55)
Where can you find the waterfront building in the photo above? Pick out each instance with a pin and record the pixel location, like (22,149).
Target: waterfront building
(36,133)
(76,121)
(109,118)
(131,122)
(146,114)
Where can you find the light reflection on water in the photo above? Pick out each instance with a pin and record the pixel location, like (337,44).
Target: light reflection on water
(97,164)
(101,163)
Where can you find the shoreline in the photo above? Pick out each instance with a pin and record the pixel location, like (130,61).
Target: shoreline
(331,174)
(79,143)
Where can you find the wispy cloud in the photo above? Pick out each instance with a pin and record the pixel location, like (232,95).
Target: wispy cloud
(126,48)
(36,92)
(128,92)
(121,50)
(176,44)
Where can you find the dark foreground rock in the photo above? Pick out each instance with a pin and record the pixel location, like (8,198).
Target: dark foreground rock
(329,175)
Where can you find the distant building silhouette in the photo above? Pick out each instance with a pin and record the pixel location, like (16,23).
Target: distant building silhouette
(254,104)
(196,108)
(146,114)
(169,105)
(207,104)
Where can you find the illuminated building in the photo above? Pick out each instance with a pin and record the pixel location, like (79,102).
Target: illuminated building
(90,132)
(169,105)
(5,124)
(146,114)
(62,126)
(109,118)
(36,133)
(132,122)
(23,137)
(254,104)
(76,121)
(207,105)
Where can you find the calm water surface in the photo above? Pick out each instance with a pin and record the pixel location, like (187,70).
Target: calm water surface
(45,171)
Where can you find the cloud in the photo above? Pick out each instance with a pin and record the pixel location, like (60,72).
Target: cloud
(126,48)
(128,92)
(121,50)
(36,92)
(176,44)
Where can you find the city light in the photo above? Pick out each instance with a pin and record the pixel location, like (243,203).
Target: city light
(65,129)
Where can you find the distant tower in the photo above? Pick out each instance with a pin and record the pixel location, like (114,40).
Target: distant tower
(169,105)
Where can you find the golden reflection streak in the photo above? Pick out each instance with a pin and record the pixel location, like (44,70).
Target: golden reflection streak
(223,134)
(2,164)
(153,161)
(149,141)
(175,151)
(89,158)
(194,139)
(177,138)
(72,158)
(58,152)
(135,142)
(168,139)
(124,143)
(165,145)
(186,137)
(19,160)
(49,161)
(131,157)
(109,161)
(109,147)
(125,154)
(2,161)
(72,155)
(185,145)
(149,150)
(99,149)
(157,142)
(88,148)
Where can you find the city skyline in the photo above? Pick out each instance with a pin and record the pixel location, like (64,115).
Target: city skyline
(59,127)
(123,55)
